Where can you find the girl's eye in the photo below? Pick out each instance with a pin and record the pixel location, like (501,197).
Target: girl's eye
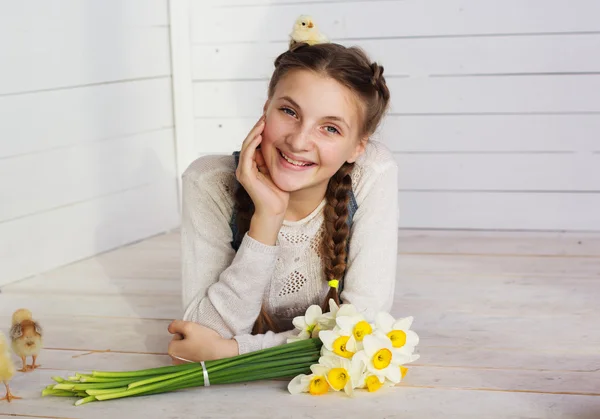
(288,111)
(332,130)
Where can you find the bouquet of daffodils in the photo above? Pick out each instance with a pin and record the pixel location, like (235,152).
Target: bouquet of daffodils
(337,350)
(356,353)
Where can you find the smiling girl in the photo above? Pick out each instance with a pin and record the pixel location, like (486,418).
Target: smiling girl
(305,212)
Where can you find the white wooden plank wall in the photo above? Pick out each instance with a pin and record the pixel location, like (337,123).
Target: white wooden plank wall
(87,153)
(495,117)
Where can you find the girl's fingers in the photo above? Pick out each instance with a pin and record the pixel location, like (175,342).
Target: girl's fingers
(260,162)
(247,158)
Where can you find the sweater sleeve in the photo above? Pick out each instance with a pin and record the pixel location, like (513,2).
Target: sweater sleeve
(370,277)
(221,289)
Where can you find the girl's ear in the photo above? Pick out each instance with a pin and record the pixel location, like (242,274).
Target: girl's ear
(359,150)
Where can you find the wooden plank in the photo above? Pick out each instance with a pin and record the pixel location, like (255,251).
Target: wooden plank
(131,306)
(499,243)
(85,229)
(506,172)
(48,59)
(439,133)
(117,14)
(98,285)
(393,19)
(477,95)
(509,267)
(64,176)
(76,331)
(499,211)
(419,56)
(240,402)
(35,122)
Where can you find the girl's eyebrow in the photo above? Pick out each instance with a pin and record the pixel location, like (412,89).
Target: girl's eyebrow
(332,117)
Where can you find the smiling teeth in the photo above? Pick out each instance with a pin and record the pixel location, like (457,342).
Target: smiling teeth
(294,162)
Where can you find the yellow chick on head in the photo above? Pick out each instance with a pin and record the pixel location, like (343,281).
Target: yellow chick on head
(305,30)
(7,368)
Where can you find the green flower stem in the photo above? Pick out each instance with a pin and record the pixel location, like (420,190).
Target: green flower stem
(163,377)
(85,400)
(95,392)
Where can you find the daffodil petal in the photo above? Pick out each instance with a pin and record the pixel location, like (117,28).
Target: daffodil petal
(384,321)
(351,344)
(333,307)
(296,386)
(300,323)
(349,388)
(312,314)
(346,324)
(328,337)
(319,369)
(393,374)
(346,310)
(373,343)
(412,339)
(403,324)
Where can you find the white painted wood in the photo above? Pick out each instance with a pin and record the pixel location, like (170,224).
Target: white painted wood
(183,105)
(441,133)
(421,95)
(502,243)
(85,17)
(257,400)
(49,59)
(498,210)
(59,118)
(506,172)
(394,18)
(29,245)
(64,176)
(419,56)
(503,332)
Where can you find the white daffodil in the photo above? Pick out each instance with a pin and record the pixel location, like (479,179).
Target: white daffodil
(313,384)
(398,331)
(334,343)
(328,320)
(356,327)
(341,373)
(307,324)
(380,359)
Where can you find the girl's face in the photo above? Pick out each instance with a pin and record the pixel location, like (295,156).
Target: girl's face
(312,127)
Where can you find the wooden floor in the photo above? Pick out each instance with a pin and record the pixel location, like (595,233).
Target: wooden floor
(509,326)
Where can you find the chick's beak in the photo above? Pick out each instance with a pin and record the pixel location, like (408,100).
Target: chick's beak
(310,24)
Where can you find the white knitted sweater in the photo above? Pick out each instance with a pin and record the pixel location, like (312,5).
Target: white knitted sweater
(224,290)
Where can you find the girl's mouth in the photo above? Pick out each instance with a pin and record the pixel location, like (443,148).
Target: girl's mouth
(295,164)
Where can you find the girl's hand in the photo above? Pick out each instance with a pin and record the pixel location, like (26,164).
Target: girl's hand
(253,174)
(194,342)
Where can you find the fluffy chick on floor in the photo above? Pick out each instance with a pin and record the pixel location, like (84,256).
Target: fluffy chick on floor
(7,368)
(26,336)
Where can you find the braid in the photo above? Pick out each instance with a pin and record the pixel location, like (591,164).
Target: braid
(336,232)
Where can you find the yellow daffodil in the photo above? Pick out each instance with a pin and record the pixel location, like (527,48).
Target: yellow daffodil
(307,325)
(334,343)
(328,320)
(356,327)
(341,373)
(313,384)
(398,331)
(380,359)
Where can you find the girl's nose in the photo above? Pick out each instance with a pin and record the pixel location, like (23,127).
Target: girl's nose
(299,141)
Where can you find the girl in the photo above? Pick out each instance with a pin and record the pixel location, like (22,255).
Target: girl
(306,212)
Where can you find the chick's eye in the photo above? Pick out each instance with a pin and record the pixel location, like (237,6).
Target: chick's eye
(303,24)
